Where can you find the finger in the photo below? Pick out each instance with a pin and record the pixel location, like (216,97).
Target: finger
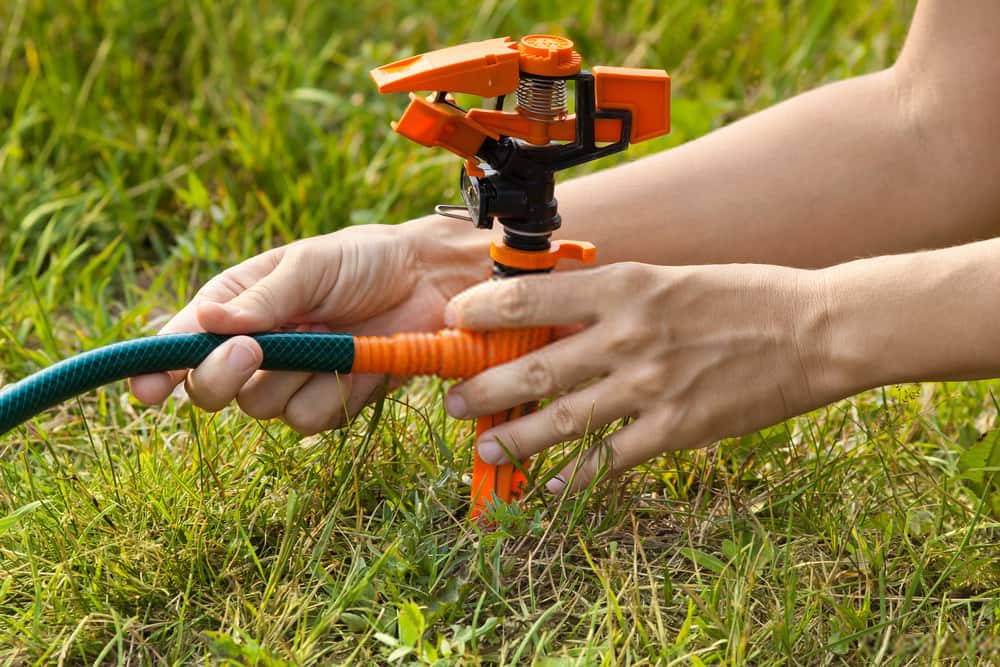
(320,404)
(636,443)
(267,393)
(553,369)
(566,418)
(281,296)
(154,388)
(527,301)
(218,379)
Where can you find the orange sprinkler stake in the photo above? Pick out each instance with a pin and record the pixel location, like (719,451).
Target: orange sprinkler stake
(455,354)
(452,354)
(510,159)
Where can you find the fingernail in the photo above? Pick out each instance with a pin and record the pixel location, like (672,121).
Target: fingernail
(240,358)
(455,405)
(555,485)
(489,451)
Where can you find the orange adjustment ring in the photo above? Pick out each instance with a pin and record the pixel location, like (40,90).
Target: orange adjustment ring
(548,55)
(535,260)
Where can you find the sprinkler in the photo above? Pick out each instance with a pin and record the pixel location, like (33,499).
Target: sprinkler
(508,178)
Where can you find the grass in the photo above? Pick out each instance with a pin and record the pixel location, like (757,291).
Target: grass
(144,146)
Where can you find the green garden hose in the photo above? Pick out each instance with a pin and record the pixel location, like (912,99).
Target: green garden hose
(313,352)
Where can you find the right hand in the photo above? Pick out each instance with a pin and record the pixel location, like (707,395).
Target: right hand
(368,280)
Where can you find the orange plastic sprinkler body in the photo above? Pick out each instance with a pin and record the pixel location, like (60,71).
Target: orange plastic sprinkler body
(509,178)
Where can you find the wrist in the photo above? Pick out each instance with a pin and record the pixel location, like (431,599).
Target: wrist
(917,317)
(872,323)
(856,329)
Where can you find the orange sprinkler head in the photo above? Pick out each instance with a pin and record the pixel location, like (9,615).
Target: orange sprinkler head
(537,68)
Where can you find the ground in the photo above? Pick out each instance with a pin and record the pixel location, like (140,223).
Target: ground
(146,145)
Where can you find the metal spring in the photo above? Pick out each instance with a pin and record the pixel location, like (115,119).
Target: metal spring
(542,99)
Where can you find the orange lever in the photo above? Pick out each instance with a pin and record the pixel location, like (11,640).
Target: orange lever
(486,68)
(442,125)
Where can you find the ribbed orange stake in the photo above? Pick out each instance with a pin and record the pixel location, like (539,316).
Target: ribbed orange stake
(449,353)
(457,354)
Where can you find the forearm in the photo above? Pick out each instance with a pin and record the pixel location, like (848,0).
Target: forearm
(901,160)
(841,172)
(920,316)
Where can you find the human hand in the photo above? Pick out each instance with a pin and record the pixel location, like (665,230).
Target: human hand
(373,279)
(693,354)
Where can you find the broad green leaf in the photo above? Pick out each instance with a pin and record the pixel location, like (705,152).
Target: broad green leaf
(411,624)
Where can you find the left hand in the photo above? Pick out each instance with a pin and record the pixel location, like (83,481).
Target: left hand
(693,354)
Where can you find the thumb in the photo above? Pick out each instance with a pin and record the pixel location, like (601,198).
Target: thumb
(271,302)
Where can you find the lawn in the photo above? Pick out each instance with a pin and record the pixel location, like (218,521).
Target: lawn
(144,146)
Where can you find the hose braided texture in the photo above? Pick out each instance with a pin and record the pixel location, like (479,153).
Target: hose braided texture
(313,352)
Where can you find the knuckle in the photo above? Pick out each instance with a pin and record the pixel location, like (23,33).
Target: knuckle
(299,251)
(666,424)
(514,300)
(668,427)
(627,336)
(226,283)
(648,382)
(564,417)
(630,277)
(620,340)
(678,425)
(540,376)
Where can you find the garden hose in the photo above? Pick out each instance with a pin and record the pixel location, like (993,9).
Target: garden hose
(449,353)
